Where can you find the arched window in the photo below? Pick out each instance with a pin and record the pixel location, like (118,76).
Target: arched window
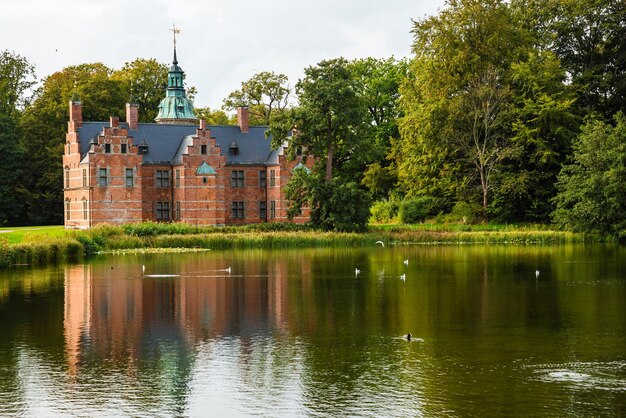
(85,209)
(67,210)
(67,177)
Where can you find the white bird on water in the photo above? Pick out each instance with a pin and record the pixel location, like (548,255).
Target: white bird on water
(356,271)
(227,270)
(536,273)
(403,277)
(380,242)
(406,262)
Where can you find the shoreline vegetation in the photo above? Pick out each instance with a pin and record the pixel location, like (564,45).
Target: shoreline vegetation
(51,245)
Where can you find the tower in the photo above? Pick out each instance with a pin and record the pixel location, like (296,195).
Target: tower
(176,108)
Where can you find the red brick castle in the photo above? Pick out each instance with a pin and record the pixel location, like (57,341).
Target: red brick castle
(177,169)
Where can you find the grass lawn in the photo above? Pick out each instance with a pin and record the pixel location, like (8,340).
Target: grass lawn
(16,235)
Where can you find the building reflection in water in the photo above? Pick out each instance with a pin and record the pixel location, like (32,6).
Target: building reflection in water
(77,313)
(116,314)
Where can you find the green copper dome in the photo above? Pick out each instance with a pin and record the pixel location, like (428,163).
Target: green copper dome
(176,107)
(205,169)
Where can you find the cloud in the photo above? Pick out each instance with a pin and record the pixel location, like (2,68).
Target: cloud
(221,44)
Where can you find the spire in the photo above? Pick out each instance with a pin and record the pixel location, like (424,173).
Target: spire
(175,31)
(175,107)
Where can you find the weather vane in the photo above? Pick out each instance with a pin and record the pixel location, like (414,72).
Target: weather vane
(175,31)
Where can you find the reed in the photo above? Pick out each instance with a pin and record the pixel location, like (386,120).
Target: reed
(487,237)
(151,229)
(40,251)
(154,235)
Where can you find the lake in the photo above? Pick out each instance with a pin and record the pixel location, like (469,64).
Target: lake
(496,330)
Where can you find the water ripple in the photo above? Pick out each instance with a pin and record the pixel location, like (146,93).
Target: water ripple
(610,376)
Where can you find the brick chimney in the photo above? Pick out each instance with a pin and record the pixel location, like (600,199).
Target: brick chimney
(132,115)
(202,124)
(114,121)
(243,119)
(76,115)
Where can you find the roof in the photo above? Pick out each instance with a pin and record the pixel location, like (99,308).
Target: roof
(167,142)
(301,166)
(173,107)
(205,169)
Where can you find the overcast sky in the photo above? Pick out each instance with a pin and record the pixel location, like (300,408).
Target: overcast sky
(221,43)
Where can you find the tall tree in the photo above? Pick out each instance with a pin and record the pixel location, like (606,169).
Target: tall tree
(263,94)
(329,118)
(378,86)
(12,190)
(330,124)
(543,125)
(591,189)
(44,125)
(453,130)
(487,109)
(479,134)
(17,76)
(145,81)
(589,40)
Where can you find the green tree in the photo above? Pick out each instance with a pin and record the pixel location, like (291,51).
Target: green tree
(215,117)
(378,86)
(454,132)
(588,37)
(543,126)
(478,134)
(17,76)
(488,114)
(591,189)
(44,125)
(145,81)
(329,120)
(330,124)
(12,191)
(335,205)
(264,93)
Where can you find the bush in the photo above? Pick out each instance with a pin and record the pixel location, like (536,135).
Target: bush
(151,229)
(347,210)
(384,211)
(100,234)
(464,212)
(90,247)
(418,209)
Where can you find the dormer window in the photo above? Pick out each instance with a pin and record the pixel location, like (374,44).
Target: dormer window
(142,148)
(234,148)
